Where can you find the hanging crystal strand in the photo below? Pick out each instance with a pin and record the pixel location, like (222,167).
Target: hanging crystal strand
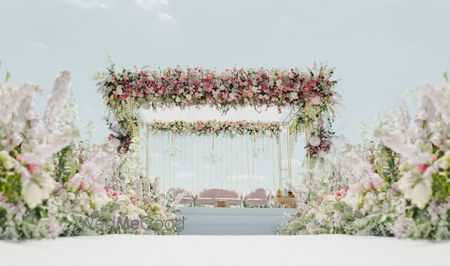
(205,176)
(265,146)
(147,152)
(228,148)
(256,159)
(180,145)
(222,152)
(161,158)
(273,164)
(198,178)
(203,165)
(248,160)
(219,172)
(201,161)
(192,164)
(166,162)
(172,162)
(210,164)
(280,174)
(161,161)
(288,164)
(183,147)
(169,179)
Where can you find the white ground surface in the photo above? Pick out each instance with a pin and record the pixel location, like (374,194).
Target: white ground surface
(224,250)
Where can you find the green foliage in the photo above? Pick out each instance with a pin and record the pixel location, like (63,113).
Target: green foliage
(441,186)
(387,164)
(66,165)
(10,185)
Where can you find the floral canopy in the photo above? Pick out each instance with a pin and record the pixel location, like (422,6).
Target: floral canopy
(309,92)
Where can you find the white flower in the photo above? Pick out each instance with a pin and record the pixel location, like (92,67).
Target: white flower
(293,95)
(32,194)
(322,153)
(30,115)
(100,200)
(422,115)
(317,100)
(56,101)
(118,90)
(421,193)
(314,141)
(353,200)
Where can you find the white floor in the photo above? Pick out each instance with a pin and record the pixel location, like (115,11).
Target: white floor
(224,250)
(232,221)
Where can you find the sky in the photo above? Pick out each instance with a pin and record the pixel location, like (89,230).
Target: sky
(380,49)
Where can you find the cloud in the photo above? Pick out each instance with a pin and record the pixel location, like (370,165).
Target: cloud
(89,4)
(246,177)
(151,4)
(164,16)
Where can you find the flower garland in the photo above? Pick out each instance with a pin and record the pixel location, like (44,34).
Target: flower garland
(310,92)
(217,127)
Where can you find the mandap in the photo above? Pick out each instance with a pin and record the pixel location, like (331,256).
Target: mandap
(220,129)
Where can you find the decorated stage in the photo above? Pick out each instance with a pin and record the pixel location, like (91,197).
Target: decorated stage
(232,221)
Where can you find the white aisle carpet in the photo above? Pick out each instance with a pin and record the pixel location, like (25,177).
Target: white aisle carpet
(224,250)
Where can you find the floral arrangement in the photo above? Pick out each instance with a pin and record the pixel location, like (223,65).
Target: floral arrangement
(217,127)
(310,92)
(319,142)
(397,185)
(49,183)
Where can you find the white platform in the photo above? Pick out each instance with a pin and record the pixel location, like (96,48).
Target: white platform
(324,250)
(232,221)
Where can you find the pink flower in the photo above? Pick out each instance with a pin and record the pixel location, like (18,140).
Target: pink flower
(433,157)
(19,158)
(134,200)
(225,95)
(337,194)
(111,137)
(376,184)
(82,185)
(31,167)
(422,167)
